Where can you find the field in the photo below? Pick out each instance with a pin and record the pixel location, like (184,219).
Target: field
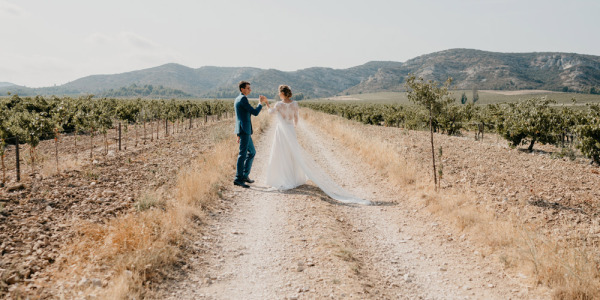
(162,220)
(485,97)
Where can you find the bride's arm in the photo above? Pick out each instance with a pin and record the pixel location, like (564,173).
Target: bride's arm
(296,113)
(272,109)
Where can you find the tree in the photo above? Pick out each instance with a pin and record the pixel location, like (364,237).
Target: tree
(430,96)
(531,121)
(62,114)
(30,126)
(589,134)
(463,98)
(475,95)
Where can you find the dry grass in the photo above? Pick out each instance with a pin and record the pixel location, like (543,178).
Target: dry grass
(137,249)
(571,273)
(48,167)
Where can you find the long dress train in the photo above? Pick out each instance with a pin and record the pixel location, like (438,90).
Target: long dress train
(289,165)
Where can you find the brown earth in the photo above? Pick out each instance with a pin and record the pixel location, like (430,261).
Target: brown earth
(560,197)
(300,244)
(41,214)
(260,244)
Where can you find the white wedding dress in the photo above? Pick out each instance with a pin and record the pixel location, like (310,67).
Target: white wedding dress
(289,166)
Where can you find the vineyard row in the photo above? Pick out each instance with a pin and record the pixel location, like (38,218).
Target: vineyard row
(30,120)
(535,120)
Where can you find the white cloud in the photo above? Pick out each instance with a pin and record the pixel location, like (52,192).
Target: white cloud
(110,53)
(137,40)
(9,9)
(122,40)
(99,39)
(25,69)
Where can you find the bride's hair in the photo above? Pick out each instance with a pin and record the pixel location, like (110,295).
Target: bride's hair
(285,90)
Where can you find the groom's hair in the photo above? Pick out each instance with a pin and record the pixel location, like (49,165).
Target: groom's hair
(243,84)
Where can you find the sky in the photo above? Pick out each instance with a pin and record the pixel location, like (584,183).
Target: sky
(46,43)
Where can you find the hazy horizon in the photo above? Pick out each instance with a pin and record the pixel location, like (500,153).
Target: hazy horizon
(60,41)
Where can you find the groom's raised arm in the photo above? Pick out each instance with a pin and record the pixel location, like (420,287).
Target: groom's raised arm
(246,105)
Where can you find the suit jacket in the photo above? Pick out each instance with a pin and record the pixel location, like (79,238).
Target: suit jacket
(243,110)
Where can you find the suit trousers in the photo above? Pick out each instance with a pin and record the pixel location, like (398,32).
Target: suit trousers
(245,157)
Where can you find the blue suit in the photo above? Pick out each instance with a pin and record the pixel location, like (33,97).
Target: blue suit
(243,128)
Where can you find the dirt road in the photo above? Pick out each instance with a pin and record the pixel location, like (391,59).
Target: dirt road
(300,244)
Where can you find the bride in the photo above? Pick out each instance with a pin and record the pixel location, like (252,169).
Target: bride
(289,166)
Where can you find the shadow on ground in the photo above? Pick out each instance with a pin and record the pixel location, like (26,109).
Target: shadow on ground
(313,191)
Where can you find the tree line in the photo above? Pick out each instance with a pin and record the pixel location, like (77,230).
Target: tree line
(147,90)
(30,120)
(535,120)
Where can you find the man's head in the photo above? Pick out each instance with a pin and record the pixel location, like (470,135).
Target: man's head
(245,88)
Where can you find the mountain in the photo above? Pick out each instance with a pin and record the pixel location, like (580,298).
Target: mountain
(469,68)
(145,91)
(5,84)
(490,70)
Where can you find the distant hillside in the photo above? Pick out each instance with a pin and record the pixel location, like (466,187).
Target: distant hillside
(494,71)
(145,91)
(5,84)
(469,68)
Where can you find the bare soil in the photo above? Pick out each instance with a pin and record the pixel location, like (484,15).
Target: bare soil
(40,215)
(557,195)
(298,244)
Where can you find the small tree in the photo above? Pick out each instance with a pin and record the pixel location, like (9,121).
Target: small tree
(430,96)
(30,127)
(589,134)
(475,95)
(531,121)
(62,114)
(463,98)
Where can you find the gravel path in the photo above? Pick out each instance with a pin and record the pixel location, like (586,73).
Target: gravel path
(300,244)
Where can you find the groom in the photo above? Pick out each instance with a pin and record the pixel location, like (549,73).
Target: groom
(243,130)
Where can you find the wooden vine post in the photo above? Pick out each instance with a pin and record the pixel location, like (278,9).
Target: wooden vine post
(18,167)
(119,136)
(2,144)
(92,143)
(56,149)
(435,181)
(166,127)
(136,135)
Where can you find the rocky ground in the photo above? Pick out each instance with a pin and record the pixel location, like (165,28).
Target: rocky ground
(260,244)
(300,244)
(40,214)
(557,195)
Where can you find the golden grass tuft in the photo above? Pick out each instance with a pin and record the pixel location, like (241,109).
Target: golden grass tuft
(571,272)
(200,183)
(48,167)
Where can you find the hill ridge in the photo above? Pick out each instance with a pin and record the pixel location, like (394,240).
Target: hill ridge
(470,68)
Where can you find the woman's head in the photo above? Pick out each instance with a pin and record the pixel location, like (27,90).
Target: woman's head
(285,91)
